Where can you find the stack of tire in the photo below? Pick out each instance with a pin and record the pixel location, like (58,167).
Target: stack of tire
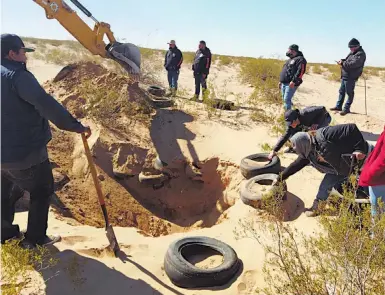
(262,174)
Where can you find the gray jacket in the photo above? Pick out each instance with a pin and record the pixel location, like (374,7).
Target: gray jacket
(353,65)
(26,109)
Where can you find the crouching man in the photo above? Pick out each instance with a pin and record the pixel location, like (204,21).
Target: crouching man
(309,118)
(324,149)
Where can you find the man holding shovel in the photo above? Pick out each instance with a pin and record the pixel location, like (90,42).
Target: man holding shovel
(26,109)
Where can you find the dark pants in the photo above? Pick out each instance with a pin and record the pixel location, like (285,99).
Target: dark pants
(200,80)
(347,87)
(172,77)
(38,181)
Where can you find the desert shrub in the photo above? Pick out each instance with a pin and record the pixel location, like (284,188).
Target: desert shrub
(18,264)
(263,74)
(224,60)
(60,57)
(334,71)
(345,256)
(188,57)
(317,69)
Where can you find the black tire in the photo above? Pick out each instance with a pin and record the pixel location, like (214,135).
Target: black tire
(248,170)
(161,102)
(254,199)
(156,90)
(64,73)
(185,275)
(223,104)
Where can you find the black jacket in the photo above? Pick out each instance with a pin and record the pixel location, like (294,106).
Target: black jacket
(307,117)
(173,59)
(293,70)
(331,143)
(353,65)
(202,61)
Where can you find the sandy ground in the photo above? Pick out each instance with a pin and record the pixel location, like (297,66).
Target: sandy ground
(86,269)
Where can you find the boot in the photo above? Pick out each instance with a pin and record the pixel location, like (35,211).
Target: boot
(169,92)
(173,92)
(336,109)
(195,97)
(313,210)
(344,112)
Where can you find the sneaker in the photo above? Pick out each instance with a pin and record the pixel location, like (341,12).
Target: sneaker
(46,241)
(336,109)
(313,210)
(343,113)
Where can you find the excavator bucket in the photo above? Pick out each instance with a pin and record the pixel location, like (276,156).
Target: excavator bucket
(127,55)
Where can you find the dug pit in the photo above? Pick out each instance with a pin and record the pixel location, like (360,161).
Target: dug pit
(122,150)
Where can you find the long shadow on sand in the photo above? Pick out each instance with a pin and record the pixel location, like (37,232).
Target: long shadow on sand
(77,274)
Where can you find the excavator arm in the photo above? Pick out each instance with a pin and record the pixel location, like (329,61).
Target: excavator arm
(126,54)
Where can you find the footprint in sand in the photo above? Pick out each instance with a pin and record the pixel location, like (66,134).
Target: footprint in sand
(247,284)
(72,240)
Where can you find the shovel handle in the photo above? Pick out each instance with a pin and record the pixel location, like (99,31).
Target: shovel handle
(93,171)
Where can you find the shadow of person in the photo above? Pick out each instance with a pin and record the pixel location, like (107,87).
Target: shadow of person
(293,207)
(77,274)
(167,126)
(370,136)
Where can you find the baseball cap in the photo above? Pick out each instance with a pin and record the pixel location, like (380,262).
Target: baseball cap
(13,42)
(290,116)
(171,42)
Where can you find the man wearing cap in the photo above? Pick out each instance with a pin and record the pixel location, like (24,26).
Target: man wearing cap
(172,63)
(26,109)
(291,74)
(309,118)
(201,68)
(351,69)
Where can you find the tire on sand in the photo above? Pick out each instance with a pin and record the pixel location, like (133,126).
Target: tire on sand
(156,90)
(249,169)
(185,275)
(255,199)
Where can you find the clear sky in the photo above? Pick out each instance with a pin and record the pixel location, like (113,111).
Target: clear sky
(322,28)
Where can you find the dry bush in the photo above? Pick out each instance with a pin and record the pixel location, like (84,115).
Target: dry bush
(345,257)
(316,69)
(224,60)
(18,265)
(334,72)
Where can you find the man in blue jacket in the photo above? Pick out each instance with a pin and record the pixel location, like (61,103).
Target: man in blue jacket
(172,63)
(26,109)
(201,68)
(351,69)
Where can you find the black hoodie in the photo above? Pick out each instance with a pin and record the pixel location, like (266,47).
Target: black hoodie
(293,69)
(353,65)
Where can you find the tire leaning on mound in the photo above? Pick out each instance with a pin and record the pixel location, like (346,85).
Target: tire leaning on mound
(249,170)
(255,199)
(185,275)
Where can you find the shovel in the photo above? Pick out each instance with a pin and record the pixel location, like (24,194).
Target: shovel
(109,230)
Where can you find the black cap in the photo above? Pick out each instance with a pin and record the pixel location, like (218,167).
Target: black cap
(290,116)
(202,42)
(294,47)
(12,42)
(354,43)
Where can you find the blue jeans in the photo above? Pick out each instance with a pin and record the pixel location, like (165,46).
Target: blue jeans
(328,182)
(287,95)
(347,87)
(173,76)
(200,80)
(38,181)
(376,192)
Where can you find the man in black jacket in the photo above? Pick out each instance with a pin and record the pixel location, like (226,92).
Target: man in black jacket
(201,68)
(309,118)
(172,63)
(324,149)
(291,74)
(351,69)
(26,109)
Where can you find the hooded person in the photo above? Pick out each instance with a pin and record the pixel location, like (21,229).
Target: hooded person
(324,149)
(291,74)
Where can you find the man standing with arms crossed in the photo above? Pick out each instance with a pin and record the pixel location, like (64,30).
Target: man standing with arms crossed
(172,63)
(26,109)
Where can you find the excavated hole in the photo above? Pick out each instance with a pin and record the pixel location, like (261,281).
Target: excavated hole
(202,256)
(261,186)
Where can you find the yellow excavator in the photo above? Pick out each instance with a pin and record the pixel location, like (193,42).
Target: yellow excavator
(126,54)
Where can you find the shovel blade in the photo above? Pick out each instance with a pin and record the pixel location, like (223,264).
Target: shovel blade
(127,55)
(112,239)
